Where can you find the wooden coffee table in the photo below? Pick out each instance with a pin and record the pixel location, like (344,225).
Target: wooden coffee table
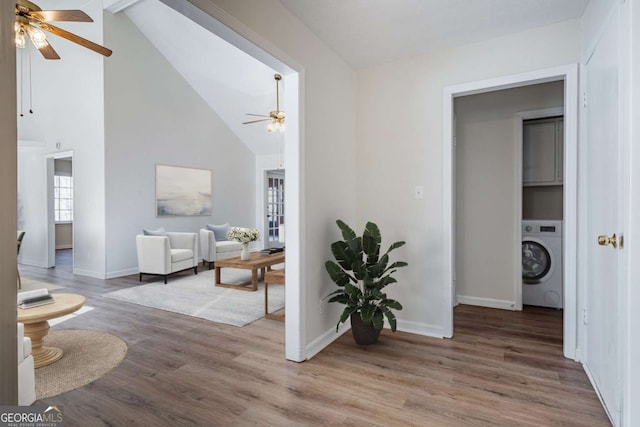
(36,325)
(273,277)
(257,262)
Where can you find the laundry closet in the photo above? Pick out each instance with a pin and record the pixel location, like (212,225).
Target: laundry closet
(542,211)
(508,184)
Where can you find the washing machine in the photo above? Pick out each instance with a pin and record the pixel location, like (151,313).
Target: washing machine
(542,263)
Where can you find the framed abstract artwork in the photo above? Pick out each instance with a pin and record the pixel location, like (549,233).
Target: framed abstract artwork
(183,191)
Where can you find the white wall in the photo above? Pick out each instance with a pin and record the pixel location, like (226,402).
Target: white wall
(328,166)
(153,116)
(32,204)
(400,150)
(68,107)
(487,211)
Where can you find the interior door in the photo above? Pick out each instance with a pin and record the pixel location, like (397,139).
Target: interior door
(274,209)
(602,358)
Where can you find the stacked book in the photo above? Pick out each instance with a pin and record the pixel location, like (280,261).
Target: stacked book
(35,298)
(271,251)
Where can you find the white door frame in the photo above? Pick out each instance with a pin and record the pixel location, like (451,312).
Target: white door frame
(568,73)
(213,18)
(51,223)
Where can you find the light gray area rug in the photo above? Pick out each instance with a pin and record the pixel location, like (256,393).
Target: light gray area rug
(197,296)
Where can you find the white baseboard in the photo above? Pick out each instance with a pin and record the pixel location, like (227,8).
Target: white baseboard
(120,273)
(89,273)
(33,263)
(316,346)
(419,328)
(64,247)
(425,329)
(487,302)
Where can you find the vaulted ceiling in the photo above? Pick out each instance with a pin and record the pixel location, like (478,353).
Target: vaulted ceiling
(363,32)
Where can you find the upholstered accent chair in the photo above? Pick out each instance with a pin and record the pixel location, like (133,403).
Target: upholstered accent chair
(215,245)
(26,370)
(166,254)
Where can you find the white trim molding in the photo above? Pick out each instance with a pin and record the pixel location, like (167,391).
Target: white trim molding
(487,302)
(326,338)
(420,328)
(568,74)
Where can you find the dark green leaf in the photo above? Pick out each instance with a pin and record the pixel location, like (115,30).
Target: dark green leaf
(343,254)
(395,245)
(342,298)
(355,245)
(358,269)
(386,280)
(391,303)
(347,232)
(366,313)
(391,318)
(337,274)
(378,269)
(378,320)
(396,264)
(345,315)
(371,239)
(352,290)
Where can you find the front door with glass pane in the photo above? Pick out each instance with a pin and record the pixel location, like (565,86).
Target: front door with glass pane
(274,209)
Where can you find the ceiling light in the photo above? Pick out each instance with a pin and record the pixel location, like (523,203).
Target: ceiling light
(38,38)
(20,41)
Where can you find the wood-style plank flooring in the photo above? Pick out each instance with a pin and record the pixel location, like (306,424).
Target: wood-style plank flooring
(502,369)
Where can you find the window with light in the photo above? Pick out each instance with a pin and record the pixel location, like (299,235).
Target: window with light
(63,198)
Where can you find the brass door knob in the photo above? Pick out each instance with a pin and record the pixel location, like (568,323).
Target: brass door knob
(605,240)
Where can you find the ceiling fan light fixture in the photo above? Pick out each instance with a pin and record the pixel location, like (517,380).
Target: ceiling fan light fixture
(38,38)
(276,126)
(19,40)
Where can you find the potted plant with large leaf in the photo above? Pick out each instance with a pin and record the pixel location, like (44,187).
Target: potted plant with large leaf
(361,275)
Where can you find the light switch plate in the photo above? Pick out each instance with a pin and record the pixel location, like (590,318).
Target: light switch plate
(418,192)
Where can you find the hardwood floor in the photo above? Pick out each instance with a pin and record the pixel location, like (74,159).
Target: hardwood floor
(502,369)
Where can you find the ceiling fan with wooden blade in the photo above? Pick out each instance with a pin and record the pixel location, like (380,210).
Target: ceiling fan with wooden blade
(31,20)
(276,117)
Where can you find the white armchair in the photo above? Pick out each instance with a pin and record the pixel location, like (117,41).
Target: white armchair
(164,255)
(213,249)
(26,370)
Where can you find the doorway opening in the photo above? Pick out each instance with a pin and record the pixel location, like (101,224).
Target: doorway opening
(566,76)
(234,33)
(489,190)
(60,211)
(274,209)
(63,212)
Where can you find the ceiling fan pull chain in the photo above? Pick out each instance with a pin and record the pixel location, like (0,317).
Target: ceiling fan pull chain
(30,84)
(21,83)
